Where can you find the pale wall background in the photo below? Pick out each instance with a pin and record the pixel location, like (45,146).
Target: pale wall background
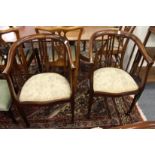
(141,31)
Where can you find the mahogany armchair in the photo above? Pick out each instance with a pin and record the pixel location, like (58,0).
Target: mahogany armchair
(41,84)
(73,34)
(111,77)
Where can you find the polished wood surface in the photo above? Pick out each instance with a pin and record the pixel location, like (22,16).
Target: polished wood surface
(87,32)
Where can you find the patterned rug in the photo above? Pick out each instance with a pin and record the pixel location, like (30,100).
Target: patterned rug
(59,116)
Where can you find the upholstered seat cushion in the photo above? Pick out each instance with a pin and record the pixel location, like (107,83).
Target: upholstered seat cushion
(45,87)
(113,80)
(5,97)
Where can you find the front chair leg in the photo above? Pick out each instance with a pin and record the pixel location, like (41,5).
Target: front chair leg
(72,110)
(72,107)
(134,102)
(90,104)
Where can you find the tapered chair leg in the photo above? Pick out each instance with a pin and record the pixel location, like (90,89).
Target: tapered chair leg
(107,107)
(12,116)
(133,102)
(90,104)
(72,111)
(20,110)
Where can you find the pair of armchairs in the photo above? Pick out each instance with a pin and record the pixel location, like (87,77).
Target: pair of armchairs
(49,81)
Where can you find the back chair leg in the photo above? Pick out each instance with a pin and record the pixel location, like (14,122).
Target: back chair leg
(72,110)
(134,102)
(107,107)
(12,116)
(90,104)
(20,110)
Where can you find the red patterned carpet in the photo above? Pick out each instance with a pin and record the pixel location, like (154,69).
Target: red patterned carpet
(59,116)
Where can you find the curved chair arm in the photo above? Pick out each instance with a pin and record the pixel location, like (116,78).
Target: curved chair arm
(141,50)
(126,34)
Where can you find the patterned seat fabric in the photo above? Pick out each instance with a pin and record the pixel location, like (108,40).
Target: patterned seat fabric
(113,80)
(45,87)
(5,97)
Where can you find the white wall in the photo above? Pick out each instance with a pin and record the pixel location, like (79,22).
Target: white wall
(141,32)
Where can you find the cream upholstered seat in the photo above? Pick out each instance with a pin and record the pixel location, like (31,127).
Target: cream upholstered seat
(113,80)
(45,87)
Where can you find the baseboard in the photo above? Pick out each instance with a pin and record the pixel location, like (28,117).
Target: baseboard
(151,75)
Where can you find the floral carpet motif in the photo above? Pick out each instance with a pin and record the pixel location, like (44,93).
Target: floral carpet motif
(59,116)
